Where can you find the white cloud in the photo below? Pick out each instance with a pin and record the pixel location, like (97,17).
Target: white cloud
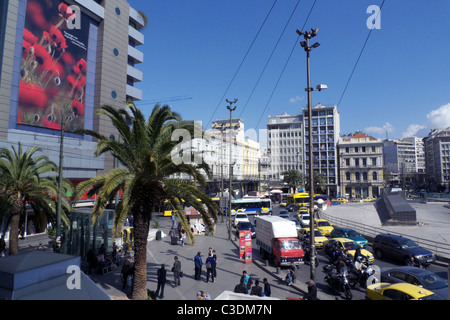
(380,131)
(439,118)
(412,130)
(296,99)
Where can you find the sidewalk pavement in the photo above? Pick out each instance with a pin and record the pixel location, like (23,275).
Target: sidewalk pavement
(229,269)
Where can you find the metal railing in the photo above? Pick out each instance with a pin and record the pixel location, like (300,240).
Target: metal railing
(440,249)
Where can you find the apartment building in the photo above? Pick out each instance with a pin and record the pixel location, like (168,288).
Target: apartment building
(285,149)
(437,158)
(360,165)
(404,160)
(325,124)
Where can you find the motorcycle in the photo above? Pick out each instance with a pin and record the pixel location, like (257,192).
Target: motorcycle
(338,281)
(363,273)
(307,250)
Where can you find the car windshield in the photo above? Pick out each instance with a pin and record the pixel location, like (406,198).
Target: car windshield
(323,224)
(290,245)
(241,216)
(317,233)
(245,225)
(353,233)
(350,245)
(407,244)
(432,282)
(304,217)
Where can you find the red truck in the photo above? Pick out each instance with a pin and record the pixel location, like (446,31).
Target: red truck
(277,240)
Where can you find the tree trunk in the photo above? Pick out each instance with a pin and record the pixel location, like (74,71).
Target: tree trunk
(16,210)
(141,224)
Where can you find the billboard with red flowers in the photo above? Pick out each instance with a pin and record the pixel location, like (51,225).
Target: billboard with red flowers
(53,66)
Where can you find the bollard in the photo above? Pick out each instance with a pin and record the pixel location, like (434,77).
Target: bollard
(278,270)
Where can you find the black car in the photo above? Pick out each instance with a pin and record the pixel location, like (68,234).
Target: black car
(293,207)
(401,249)
(418,277)
(243,225)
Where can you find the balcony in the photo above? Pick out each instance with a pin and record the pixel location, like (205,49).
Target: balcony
(137,55)
(134,93)
(134,73)
(137,36)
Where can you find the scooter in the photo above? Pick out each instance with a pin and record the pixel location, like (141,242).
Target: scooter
(338,282)
(307,250)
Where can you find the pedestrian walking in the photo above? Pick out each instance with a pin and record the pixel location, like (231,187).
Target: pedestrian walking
(173,236)
(267,290)
(209,263)
(198,265)
(176,271)
(214,269)
(161,274)
(183,236)
(127,270)
(312,291)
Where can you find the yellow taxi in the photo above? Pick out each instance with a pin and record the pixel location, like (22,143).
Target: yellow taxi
(283,204)
(399,291)
(350,245)
(369,199)
(319,239)
(323,226)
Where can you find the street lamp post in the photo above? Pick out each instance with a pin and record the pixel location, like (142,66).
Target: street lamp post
(230,164)
(305,45)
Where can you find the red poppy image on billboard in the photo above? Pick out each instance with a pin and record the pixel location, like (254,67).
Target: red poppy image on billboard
(53,66)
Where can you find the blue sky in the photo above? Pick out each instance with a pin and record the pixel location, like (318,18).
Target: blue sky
(400,87)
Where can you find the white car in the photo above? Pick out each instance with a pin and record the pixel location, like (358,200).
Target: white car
(240,217)
(304,220)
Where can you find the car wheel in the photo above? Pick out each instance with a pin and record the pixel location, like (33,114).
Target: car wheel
(379,253)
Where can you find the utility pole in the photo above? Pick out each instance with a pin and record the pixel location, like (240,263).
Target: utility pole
(305,45)
(230,164)
(59,204)
(221,170)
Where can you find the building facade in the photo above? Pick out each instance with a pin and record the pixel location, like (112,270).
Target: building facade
(325,124)
(437,158)
(360,166)
(285,148)
(404,160)
(60,62)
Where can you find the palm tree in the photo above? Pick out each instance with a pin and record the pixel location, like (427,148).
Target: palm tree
(24,178)
(145,150)
(293,178)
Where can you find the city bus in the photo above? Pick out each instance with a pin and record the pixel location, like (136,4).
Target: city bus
(302,199)
(252,206)
(167,207)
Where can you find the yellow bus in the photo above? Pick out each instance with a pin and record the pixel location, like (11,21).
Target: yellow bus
(302,199)
(167,207)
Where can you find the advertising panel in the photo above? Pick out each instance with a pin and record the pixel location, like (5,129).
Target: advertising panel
(245,245)
(53,66)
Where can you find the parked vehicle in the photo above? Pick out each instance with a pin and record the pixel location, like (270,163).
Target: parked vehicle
(350,234)
(277,239)
(419,277)
(399,291)
(401,249)
(245,225)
